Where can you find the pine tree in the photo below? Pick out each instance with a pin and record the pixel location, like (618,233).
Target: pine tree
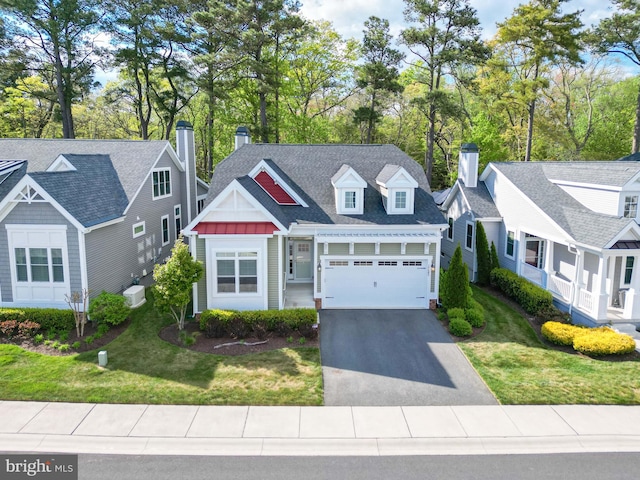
(495,263)
(455,291)
(483,256)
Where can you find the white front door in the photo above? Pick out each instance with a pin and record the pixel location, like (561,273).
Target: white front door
(371,282)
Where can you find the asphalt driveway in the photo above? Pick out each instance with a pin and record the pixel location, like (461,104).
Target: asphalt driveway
(394,357)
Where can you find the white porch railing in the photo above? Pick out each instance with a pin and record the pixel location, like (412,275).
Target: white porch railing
(586,300)
(560,287)
(532,274)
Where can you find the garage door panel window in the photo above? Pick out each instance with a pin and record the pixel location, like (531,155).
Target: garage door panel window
(363,263)
(237,272)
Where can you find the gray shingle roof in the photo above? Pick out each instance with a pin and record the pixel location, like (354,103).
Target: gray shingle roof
(480,201)
(614,174)
(9,180)
(92,193)
(131,159)
(583,225)
(310,168)
(387,173)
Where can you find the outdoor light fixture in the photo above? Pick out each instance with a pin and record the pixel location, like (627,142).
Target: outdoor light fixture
(319,267)
(433,268)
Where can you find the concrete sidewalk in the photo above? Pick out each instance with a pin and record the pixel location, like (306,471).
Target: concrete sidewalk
(213,430)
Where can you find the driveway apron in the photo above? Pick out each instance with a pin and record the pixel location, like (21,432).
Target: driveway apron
(394,357)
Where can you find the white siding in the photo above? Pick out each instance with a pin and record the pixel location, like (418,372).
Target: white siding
(596,199)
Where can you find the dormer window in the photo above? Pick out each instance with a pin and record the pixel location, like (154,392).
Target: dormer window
(630,206)
(349,191)
(397,188)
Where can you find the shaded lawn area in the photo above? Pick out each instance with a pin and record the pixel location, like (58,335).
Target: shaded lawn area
(519,369)
(143,368)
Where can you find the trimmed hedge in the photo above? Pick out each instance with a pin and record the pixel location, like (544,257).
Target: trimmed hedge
(219,323)
(531,298)
(561,333)
(455,312)
(47,318)
(604,341)
(474,317)
(590,341)
(109,308)
(460,327)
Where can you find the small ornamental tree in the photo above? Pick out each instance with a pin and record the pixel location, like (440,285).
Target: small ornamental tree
(483,256)
(455,291)
(174,282)
(495,263)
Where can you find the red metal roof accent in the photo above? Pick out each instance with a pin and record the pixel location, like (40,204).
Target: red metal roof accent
(273,189)
(235,228)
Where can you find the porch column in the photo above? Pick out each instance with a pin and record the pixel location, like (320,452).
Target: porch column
(578,279)
(600,294)
(548,263)
(632,300)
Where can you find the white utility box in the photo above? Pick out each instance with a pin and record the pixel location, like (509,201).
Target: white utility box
(102,358)
(135,295)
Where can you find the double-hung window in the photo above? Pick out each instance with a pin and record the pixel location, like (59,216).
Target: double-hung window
(165,230)
(630,206)
(628,270)
(450,230)
(510,244)
(349,200)
(39,265)
(469,236)
(162,183)
(237,272)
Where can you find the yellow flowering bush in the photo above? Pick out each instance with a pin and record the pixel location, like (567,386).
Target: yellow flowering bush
(604,341)
(561,333)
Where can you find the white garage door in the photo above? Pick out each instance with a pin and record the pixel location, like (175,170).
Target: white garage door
(376,282)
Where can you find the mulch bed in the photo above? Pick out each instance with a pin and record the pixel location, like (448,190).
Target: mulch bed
(208,345)
(536,323)
(89,330)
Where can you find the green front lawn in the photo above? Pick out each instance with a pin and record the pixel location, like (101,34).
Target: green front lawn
(143,368)
(519,369)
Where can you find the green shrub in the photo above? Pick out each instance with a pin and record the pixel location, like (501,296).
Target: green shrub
(103,328)
(75,345)
(89,340)
(64,347)
(560,333)
(603,341)
(217,323)
(474,317)
(455,312)
(483,256)
(186,338)
(454,286)
(530,297)
(495,262)
(63,337)
(38,338)
(109,308)
(460,327)
(47,318)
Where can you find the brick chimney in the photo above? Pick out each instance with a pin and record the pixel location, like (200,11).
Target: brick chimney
(186,150)
(242,137)
(468,164)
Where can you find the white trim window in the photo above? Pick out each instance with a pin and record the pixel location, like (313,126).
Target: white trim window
(177,217)
(468,243)
(236,273)
(510,244)
(401,199)
(350,197)
(161,183)
(630,206)
(138,229)
(165,230)
(450,230)
(39,265)
(628,270)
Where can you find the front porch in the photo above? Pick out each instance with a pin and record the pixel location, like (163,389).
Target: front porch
(299,295)
(595,287)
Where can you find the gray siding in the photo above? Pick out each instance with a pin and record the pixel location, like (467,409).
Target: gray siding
(113,255)
(338,249)
(390,249)
(273,273)
(506,262)
(38,214)
(364,249)
(202,284)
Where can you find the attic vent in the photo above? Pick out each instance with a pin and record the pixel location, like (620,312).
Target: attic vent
(275,191)
(61,164)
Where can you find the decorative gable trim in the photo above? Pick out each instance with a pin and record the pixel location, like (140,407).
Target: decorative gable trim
(274,185)
(233,205)
(61,164)
(629,233)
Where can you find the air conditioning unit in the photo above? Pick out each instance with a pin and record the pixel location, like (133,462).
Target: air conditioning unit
(135,295)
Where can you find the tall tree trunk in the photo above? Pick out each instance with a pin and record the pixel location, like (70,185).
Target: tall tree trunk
(65,108)
(371,117)
(264,131)
(527,153)
(635,147)
(209,132)
(431,141)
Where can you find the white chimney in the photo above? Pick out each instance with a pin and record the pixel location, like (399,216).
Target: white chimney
(186,150)
(468,164)
(242,137)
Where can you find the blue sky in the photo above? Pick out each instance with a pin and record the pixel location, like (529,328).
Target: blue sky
(348,16)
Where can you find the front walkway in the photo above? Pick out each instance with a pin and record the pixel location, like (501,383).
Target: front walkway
(299,295)
(316,431)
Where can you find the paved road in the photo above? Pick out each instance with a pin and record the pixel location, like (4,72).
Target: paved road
(591,466)
(394,357)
